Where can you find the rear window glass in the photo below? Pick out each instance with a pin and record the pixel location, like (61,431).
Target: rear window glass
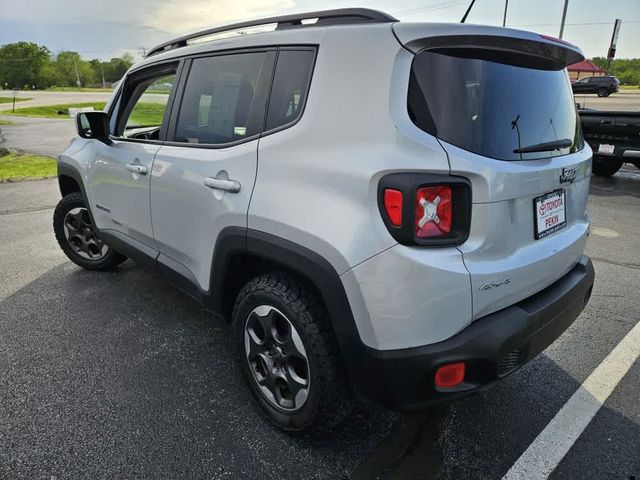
(493,108)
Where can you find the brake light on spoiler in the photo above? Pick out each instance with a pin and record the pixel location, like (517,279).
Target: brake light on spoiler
(557,40)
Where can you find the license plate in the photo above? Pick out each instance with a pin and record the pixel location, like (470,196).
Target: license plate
(550,213)
(605,148)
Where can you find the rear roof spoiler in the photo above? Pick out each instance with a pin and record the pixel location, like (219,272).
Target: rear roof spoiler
(521,47)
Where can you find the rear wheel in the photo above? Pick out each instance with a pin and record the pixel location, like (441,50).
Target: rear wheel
(289,354)
(603,92)
(605,166)
(77,237)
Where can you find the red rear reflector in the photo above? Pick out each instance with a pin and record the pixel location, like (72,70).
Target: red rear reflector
(393,206)
(450,375)
(433,211)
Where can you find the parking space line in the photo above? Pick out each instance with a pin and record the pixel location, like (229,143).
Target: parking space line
(545,453)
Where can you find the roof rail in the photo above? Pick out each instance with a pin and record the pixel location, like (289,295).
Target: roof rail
(340,16)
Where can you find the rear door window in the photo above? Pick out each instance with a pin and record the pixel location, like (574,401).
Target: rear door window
(220,104)
(486,106)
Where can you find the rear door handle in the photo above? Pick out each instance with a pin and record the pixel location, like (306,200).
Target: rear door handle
(220,184)
(136,168)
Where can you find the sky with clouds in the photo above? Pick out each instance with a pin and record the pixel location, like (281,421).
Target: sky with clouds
(110,28)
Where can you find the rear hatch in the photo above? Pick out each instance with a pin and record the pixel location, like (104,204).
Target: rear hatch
(501,105)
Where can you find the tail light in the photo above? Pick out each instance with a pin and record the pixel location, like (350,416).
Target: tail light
(426,209)
(433,211)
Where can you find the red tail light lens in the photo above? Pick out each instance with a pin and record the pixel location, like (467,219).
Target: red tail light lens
(425,209)
(434,211)
(450,375)
(393,205)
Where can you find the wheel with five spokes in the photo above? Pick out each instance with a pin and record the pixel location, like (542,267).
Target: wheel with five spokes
(77,237)
(289,354)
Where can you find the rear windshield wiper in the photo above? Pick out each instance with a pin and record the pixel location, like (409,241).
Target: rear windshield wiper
(546,146)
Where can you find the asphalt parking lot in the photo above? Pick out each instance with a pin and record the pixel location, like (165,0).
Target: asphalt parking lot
(118,375)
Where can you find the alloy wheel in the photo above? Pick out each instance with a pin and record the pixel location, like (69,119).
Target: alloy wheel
(277,358)
(81,236)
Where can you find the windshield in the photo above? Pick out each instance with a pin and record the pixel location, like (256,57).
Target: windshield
(494,109)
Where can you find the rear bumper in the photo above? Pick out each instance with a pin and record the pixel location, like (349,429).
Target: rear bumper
(491,347)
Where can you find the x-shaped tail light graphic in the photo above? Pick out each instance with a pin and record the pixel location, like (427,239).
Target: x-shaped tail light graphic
(430,213)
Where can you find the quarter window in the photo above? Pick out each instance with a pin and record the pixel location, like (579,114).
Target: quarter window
(290,85)
(219,99)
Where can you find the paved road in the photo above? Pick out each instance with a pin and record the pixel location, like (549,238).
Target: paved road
(39,98)
(624,101)
(42,136)
(119,375)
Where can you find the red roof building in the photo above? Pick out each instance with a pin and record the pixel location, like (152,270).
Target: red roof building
(584,69)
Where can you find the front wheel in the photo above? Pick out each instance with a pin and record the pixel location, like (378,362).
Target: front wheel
(289,354)
(77,238)
(605,167)
(603,92)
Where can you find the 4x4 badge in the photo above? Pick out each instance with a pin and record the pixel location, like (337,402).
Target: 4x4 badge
(490,285)
(568,175)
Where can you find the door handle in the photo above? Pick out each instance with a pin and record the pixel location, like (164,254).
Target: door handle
(220,184)
(136,168)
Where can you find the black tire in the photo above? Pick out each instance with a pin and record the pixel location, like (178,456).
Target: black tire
(603,92)
(328,400)
(92,255)
(605,166)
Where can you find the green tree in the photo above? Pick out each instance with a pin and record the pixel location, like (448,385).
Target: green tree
(22,63)
(626,69)
(70,67)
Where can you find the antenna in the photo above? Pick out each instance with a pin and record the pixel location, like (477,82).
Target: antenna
(466,14)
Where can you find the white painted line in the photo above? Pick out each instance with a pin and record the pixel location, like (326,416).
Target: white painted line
(549,448)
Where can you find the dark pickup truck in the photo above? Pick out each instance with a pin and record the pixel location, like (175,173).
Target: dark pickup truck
(614,138)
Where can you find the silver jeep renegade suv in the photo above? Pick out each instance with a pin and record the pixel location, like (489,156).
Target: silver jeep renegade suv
(393,212)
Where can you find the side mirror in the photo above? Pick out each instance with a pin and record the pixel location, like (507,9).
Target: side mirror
(93,125)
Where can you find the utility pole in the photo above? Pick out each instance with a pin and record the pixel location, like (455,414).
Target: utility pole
(75,66)
(142,51)
(564,17)
(614,43)
(466,14)
(104,84)
(504,18)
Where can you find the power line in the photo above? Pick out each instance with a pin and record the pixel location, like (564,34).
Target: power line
(439,6)
(568,23)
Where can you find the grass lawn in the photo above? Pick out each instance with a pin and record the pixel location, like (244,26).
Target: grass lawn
(630,87)
(51,111)
(147,113)
(144,113)
(24,166)
(6,122)
(10,99)
(79,89)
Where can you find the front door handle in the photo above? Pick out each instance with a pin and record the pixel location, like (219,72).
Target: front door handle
(136,168)
(220,184)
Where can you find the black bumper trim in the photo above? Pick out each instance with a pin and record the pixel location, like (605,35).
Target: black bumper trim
(403,379)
